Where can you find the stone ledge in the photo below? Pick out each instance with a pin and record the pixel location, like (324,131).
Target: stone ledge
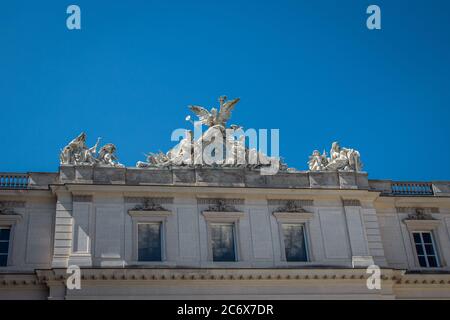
(421,225)
(218,177)
(222,215)
(149,213)
(294,215)
(10,219)
(310,274)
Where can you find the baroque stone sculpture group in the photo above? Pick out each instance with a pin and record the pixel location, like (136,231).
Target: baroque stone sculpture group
(218,139)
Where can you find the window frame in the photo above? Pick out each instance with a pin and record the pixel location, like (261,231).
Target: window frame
(142,217)
(210,242)
(435,248)
(10,221)
(303,218)
(430,226)
(215,217)
(8,255)
(161,240)
(305,239)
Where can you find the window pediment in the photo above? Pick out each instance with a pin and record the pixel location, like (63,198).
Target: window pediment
(8,215)
(149,213)
(301,216)
(416,224)
(420,219)
(223,215)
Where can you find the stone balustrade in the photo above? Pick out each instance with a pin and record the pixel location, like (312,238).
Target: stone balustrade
(30,180)
(412,188)
(14,180)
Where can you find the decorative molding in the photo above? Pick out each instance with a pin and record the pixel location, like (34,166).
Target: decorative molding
(149,213)
(351,203)
(282,202)
(419,218)
(215,201)
(305,274)
(159,200)
(412,210)
(82,198)
(421,225)
(10,219)
(12,204)
(149,204)
(221,206)
(223,215)
(420,214)
(7,214)
(6,210)
(298,216)
(290,206)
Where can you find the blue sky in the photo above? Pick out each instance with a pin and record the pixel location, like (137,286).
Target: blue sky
(310,68)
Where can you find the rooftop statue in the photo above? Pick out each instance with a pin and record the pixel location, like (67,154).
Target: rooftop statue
(213,118)
(317,161)
(344,159)
(216,147)
(107,156)
(77,153)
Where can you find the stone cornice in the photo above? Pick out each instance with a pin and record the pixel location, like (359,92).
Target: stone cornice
(19,280)
(217,274)
(141,275)
(235,192)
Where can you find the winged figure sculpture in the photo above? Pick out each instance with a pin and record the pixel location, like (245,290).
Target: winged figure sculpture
(214,117)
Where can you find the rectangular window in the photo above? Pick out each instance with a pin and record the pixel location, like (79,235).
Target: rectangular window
(294,242)
(149,241)
(426,250)
(222,240)
(4,245)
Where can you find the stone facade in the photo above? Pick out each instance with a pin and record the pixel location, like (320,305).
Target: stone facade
(88,216)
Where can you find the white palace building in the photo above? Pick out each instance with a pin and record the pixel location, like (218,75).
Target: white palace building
(170,230)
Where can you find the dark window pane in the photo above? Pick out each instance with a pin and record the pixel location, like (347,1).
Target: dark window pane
(3,260)
(422,261)
(222,238)
(4,234)
(417,238)
(426,237)
(294,242)
(419,249)
(4,246)
(427,255)
(432,261)
(149,242)
(429,249)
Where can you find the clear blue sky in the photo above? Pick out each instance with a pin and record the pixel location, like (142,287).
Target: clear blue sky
(310,68)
